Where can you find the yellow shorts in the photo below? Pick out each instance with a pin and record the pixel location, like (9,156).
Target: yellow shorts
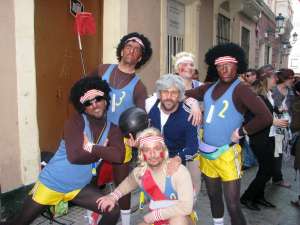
(227,166)
(45,196)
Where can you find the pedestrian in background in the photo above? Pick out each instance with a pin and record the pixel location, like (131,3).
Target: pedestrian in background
(295,127)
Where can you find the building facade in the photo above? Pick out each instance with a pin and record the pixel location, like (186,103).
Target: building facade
(40,58)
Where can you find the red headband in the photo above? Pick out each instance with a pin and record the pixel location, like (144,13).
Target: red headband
(225,59)
(91,93)
(145,140)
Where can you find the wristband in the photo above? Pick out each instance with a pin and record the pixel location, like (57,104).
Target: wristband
(116,195)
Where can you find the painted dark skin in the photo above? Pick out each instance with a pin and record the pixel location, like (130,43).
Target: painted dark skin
(131,53)
(227,71)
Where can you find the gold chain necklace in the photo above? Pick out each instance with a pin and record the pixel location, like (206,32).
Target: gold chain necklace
(94,171)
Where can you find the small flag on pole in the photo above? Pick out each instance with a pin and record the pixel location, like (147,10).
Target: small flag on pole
(84,25)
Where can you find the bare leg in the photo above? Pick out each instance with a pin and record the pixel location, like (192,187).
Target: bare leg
(193,167)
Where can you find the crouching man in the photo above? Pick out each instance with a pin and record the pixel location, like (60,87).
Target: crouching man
(171,195)
(88,137)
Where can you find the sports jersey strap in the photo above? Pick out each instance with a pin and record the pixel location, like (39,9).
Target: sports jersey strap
(151,188)
(107,74)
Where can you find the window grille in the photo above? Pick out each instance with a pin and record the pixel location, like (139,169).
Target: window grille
(223,31)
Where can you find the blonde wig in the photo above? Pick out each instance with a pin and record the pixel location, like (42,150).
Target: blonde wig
(149,132)
(182,57)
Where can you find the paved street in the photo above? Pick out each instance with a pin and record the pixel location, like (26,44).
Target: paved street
(284,214)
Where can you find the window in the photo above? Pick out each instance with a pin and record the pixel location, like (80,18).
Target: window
(223,32)
(175,45)
(245,42)
(175,30)
(267,54)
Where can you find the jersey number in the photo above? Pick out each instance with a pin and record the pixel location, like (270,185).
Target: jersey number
(220,114)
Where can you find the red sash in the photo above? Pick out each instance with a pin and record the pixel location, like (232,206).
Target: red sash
(151,188)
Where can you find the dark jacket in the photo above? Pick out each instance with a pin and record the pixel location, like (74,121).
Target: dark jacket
(295,127)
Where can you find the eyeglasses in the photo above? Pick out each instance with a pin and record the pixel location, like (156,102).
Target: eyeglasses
(88,103)
(171,93)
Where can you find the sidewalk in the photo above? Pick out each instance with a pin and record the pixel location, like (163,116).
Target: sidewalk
(284,214)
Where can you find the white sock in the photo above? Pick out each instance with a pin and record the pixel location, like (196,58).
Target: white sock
(125,217)
(218,221)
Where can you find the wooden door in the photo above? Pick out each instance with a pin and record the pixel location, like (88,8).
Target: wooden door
(58,63)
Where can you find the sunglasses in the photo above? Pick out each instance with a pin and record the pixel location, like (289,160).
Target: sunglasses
(250,75)
(88,103)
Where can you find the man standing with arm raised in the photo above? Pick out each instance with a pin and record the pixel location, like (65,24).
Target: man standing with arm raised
(133,51)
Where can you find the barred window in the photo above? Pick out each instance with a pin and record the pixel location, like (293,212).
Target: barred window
(245,42)
(223,32)
(175,45)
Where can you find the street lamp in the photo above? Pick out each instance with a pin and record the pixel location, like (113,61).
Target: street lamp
(279,23)
(279,26)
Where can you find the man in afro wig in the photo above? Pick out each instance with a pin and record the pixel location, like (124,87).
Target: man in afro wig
(226,101)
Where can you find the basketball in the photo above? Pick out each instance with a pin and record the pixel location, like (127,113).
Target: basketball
(133,120)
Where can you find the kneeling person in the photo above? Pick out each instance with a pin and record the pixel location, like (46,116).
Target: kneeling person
(171,196)
(88,137)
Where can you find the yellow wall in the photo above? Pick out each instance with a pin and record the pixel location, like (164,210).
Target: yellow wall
(146,20)
(205,34)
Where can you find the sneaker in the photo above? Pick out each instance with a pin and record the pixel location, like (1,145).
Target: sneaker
(264,202)
(249,204)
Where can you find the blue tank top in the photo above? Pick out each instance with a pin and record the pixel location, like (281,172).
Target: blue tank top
(221,117)
(121,99)
(169,189)
(61,175)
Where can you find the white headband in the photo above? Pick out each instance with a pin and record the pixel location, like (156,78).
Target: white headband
(91,93)
(136,40)
(184,59)
(150,139)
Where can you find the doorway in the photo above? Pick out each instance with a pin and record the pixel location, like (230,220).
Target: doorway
(58,63)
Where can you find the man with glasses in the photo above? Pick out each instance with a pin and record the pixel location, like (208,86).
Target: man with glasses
(225,103)
(169,114)
(88,137)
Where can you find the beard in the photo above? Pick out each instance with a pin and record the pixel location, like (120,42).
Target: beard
(169,105)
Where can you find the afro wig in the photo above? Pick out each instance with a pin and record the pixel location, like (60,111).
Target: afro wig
(146,50)
(227,49)
(85,84)
(211,74)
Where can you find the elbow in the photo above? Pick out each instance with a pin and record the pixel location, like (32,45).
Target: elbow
(188,210)
(121,157)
